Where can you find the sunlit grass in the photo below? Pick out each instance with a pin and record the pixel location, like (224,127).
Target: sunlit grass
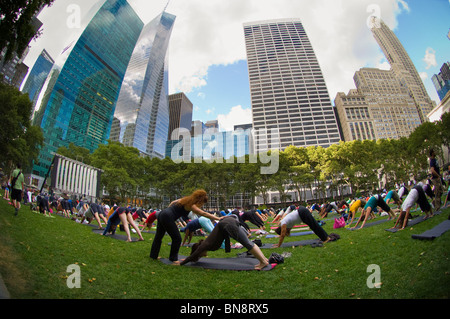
(35,252)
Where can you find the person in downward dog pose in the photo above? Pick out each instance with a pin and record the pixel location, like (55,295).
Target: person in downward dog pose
(302,215)
(228,227)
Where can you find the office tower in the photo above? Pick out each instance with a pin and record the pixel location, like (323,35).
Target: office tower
(288,90)
(380,107)
(197,128)
(354,114)
(80,106)
(142,112)
(38,75)
(212,125)
(180,112)
(210,146)
(441,80)
(403,67)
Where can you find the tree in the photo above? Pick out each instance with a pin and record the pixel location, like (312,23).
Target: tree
(16,24)
(19,140)
(75,152)
(300,171)
(121,168)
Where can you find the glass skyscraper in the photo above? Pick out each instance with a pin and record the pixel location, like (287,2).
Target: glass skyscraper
(82,101)
(288,90)
(141,118)
(38,75)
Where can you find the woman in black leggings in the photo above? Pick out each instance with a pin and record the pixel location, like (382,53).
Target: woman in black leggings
(168,216)
(228,227)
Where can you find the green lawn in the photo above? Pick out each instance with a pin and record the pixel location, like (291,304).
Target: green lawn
(35,252)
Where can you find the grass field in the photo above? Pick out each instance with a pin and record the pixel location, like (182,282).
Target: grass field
(35,252)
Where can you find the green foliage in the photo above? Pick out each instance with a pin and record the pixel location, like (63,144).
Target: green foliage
(16,24)
(356,164)
(19,141)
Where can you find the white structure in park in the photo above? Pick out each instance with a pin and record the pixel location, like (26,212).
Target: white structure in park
(75,178)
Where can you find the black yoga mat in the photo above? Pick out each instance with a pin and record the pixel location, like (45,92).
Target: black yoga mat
(231,263)
(435,231)
(115,236)
(312,242)
(412,222)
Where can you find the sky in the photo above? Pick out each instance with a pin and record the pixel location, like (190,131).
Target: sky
(207,57)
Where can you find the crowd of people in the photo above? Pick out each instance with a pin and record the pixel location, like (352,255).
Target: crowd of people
(186,215)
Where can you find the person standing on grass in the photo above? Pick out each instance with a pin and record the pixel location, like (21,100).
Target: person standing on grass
(168,216)
(436,180)
(17,187)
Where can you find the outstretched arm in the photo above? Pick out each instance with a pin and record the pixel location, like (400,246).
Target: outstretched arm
(282,235)
(196,210)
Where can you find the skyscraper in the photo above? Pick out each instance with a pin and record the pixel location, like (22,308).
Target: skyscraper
(441,81)
(288,90)
(180,112)
(402,66)
(80,106)
(38,75)
(380,107)
(141,118)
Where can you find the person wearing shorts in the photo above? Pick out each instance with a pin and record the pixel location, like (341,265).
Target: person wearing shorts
(416,195)
(122,214)
(99,212)
(17,188)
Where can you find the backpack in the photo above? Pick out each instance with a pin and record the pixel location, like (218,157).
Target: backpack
(14,180)
(276,258)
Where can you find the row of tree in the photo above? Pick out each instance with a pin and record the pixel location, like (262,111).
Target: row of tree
(358,165)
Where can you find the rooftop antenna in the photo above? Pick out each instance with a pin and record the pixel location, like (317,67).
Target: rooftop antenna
(168,1)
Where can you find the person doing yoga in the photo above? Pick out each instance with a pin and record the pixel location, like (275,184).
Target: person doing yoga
(416,195)
(168,216)
(303,215)
(228,227)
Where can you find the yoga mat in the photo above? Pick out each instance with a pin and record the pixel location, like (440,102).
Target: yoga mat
(312,242)
(231,263)
(412,222)
(296,226)
(434,232)
(115,236)
(371,224)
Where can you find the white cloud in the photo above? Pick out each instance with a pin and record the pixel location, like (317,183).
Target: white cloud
(210,32)
(237,115)
(430,58)
(423,75)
